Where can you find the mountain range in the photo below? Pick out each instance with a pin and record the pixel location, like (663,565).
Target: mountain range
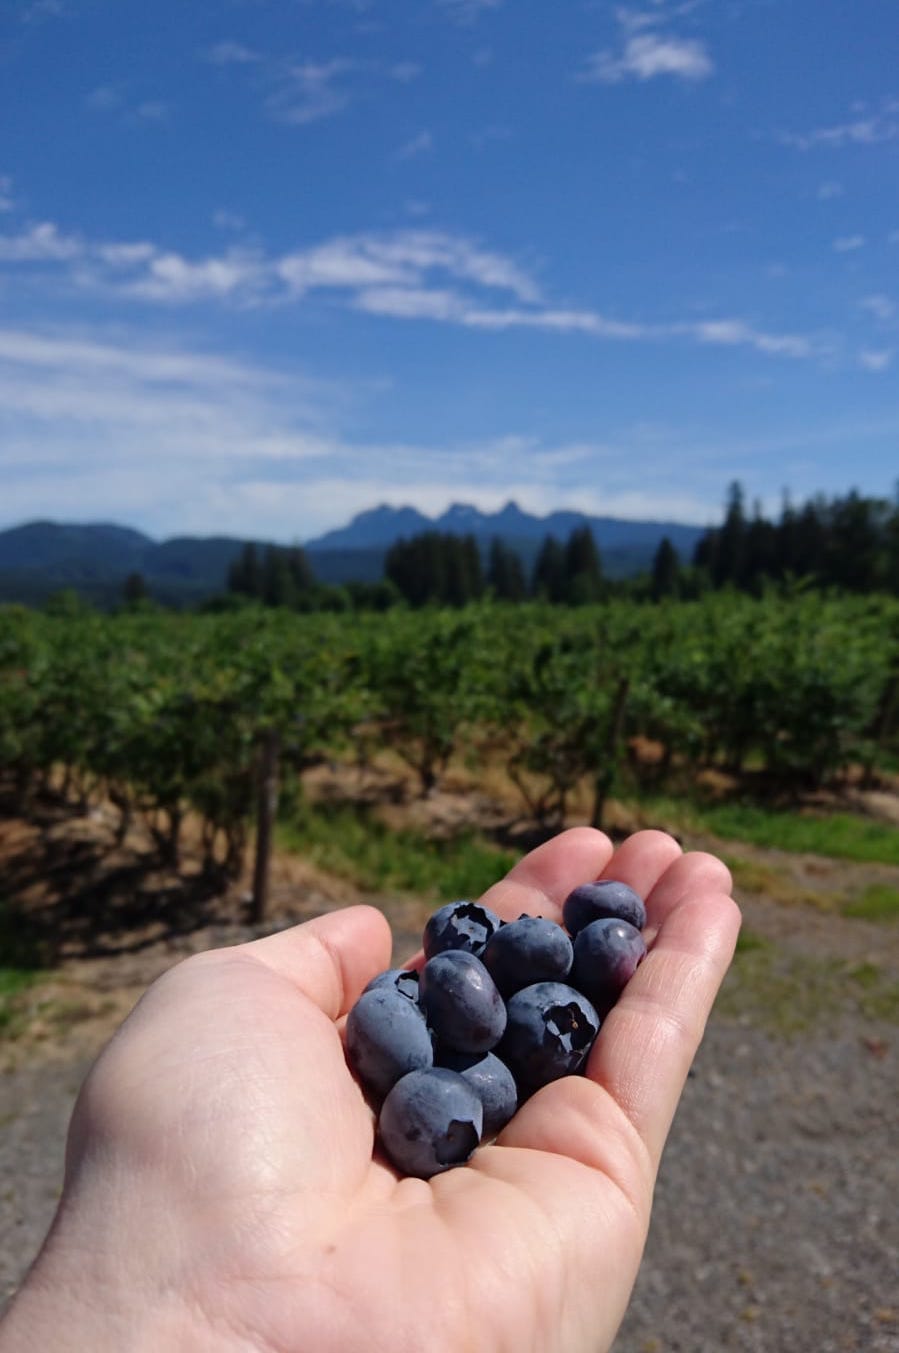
(39,558)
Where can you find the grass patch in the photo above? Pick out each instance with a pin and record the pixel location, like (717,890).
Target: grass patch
(877,902)
(749,942)
(356,845)
(13,982)
(752,877)
(789,993)
(19,969)
(842,836)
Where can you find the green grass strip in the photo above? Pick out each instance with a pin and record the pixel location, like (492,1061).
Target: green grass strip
(842,836)
(356,845)
(877,902)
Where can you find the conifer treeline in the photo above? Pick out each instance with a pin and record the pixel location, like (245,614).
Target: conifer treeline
(278,576)
(448,569)
(850,542)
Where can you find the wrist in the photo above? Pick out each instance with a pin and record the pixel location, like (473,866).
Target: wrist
(97,1284)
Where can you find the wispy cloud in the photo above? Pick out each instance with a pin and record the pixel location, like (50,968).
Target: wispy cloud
(828,190)
(645,56)
(871,129)
(114,99)
(42,243)
(175,441)
(645,52)
(308,91)
(848,244)
(232,54)
(7,201)
(104,98)
(403,275)
(223,219)
(421,144)
(466,12)
(876,360)
(33,11)
(405,71)
(301,90)
(878,305)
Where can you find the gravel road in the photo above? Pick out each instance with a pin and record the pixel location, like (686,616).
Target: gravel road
(775,1228)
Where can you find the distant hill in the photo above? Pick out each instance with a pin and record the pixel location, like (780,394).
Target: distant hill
(41,557)
(627,547)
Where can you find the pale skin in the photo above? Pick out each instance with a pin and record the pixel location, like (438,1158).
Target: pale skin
(222,1191)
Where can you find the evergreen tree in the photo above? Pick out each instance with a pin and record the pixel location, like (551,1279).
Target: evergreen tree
(665,571)
(549,571)
(244,575)
(760,552)
(301,571)
(583,571)
(729,556)
(276,580)
(505,575)
(134,589)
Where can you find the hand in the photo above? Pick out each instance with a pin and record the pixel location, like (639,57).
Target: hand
(221,1192)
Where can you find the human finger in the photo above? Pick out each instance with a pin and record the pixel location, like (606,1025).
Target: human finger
(616,1118)
(696,871)
(649,1039)
(330,958)
(542,879)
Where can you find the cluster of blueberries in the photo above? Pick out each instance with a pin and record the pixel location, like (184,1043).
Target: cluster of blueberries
(498,1010)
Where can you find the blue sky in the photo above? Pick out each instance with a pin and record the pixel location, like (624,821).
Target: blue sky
(266,263)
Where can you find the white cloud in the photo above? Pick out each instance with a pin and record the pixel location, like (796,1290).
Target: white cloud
(645,56)
(876,361)
(414,274)
(104,98)
(734,333)
(223,219)
(829,189)
(125,255)
(880,306)
(35,10)
(38,244)
(467,12)
(172,278)
(175,442)
(309,91)
(874,129)
(152,110)
(7,201)
(231,54)
(421,144)
(405,71)
(82,357)
(848,244)
(113,98)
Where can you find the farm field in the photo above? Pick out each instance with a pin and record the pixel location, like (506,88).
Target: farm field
(420,755)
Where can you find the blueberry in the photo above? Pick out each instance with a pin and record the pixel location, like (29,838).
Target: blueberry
(461,1003)
(386,1036)
(550,1030)
(403,980)
(606,956)
(493,1082)
(606,897)
(459,925)
(430,1121)
(526,951)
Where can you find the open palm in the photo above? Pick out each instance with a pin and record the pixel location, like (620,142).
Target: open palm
(221,1171)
